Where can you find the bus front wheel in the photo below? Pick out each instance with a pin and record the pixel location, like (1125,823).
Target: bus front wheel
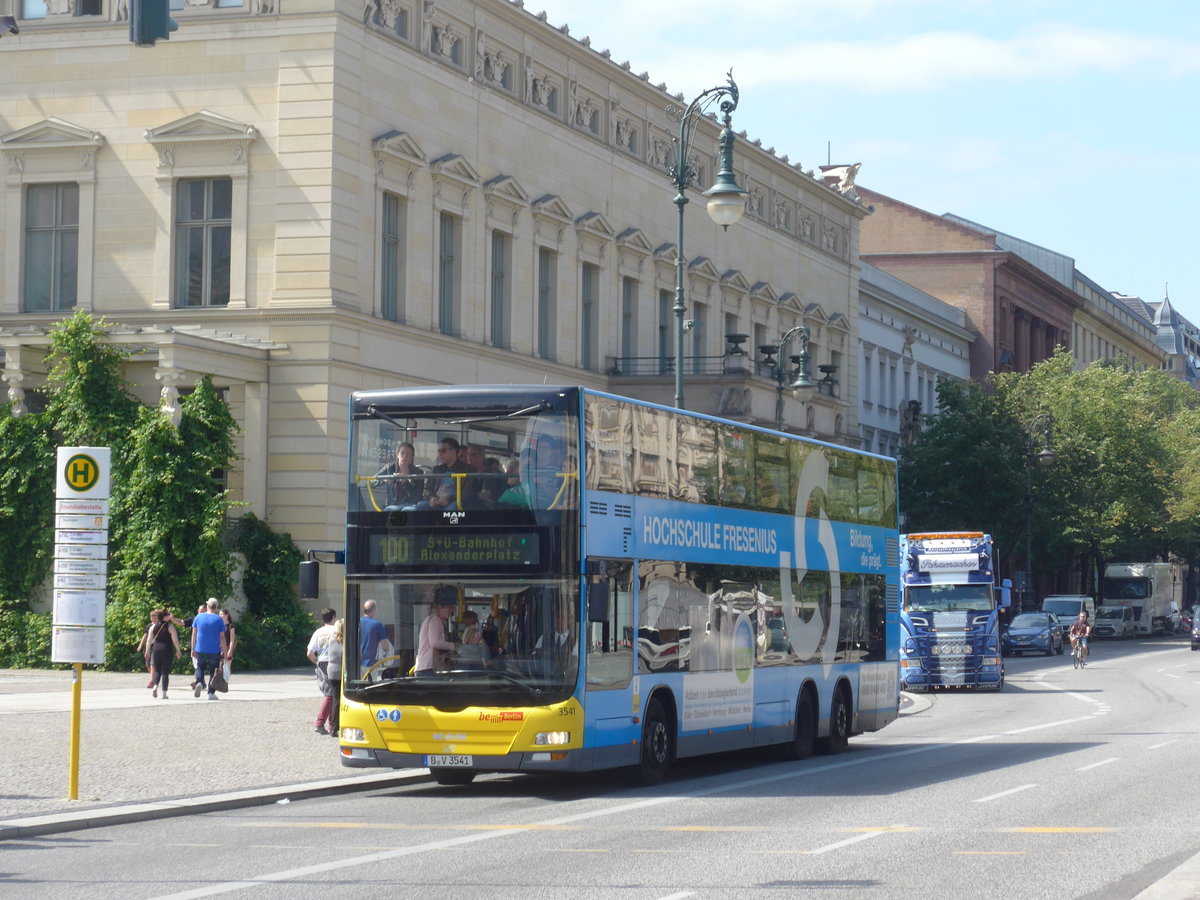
(657,745)
(804,735)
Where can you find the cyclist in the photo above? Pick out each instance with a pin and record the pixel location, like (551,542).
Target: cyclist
(1081,630)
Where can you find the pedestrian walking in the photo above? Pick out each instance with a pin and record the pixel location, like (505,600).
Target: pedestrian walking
(318,654)
(334,671)
(230,639)
(208,645)
(143,648)
(164,650)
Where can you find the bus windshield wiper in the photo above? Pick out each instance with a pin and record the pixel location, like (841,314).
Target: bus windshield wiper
(375,685)
(533,691)
(535,410)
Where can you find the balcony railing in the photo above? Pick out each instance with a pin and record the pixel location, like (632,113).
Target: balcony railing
(692,365)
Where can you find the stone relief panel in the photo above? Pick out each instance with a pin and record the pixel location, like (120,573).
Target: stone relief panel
(494,64)
(833,238)
(584,109)
(660,151)
(625,130)
(783,213)
(391,16)
(756,201)
(541,88)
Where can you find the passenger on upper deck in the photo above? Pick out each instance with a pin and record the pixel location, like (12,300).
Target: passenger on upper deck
(404,489)
(442,492)
(545,476)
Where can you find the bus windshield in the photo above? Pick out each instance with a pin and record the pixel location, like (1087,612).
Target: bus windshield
(457,643)
(948,598)
(459,543)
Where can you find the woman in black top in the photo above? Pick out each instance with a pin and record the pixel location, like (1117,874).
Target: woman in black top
(164,649)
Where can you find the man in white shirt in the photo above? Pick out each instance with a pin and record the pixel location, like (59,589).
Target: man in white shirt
(318,654)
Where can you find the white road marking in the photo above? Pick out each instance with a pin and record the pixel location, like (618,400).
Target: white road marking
(1096,765)
(1163,744)
(1015,790)
(866,836)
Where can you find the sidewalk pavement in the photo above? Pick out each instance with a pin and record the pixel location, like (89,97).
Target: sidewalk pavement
(147,758)
(142,757)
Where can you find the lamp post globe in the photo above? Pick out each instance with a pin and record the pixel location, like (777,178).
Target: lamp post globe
(726,201)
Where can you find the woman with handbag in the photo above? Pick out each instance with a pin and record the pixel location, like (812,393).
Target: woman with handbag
(163,641)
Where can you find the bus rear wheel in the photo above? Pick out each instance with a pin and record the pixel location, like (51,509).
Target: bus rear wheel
(839,725)
(658,748)
(451,777)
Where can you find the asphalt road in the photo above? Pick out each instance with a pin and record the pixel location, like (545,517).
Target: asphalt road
(1066,784)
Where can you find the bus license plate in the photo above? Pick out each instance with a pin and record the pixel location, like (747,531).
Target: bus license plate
(448,762)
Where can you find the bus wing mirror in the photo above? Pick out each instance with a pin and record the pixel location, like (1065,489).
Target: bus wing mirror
(310,579)
(597,601)
(1006,593)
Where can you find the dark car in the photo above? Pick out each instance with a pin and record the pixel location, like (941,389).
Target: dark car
(1032,632)
(1195,631)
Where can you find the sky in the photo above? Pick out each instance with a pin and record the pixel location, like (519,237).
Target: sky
(1074,125)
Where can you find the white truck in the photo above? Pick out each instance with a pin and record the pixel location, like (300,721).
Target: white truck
(1154,590)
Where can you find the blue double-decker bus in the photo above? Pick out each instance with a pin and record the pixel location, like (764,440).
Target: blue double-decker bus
(555,579)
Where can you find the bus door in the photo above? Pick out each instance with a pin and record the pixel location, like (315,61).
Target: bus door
(611,641)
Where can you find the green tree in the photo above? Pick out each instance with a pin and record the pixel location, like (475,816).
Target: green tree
(27,461)
(169,539)
(966,472)
(89,404)
(275,628)
(168,542)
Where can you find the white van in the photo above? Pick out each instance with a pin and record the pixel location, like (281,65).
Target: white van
(1067,607)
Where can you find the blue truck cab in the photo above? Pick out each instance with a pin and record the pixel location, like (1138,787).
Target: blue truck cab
(950,615)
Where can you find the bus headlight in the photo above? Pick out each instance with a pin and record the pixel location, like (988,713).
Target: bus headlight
(353,734)
(547,738)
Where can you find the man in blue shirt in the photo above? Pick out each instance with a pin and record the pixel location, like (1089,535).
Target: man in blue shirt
(209,643)
(371,633)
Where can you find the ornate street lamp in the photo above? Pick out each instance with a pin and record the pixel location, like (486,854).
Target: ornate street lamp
(726,201)
(1045,457)
(797,379)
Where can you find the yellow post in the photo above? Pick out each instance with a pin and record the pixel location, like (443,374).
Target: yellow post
(76,698)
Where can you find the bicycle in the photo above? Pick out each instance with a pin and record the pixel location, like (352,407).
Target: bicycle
(1077,655)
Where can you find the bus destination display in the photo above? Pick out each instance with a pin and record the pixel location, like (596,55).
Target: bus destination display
(455,549)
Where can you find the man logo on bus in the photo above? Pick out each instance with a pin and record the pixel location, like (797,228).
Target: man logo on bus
(807,638)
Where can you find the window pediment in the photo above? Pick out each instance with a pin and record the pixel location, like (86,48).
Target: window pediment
(400,146)
(733,278)
(505,187)
(551,206)
(594,223)
(454,167)
(635,239)
(789,301)
(762,291)
(51,140)
(209,138)
(703,266)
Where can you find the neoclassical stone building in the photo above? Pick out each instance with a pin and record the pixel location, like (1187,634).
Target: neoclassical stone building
(309,197)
